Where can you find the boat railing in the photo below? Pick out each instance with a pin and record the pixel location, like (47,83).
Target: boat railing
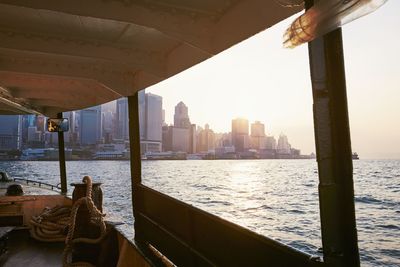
(189,236)
(39,183)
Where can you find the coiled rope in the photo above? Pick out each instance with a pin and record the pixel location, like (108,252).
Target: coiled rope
(96,217)
(51,224)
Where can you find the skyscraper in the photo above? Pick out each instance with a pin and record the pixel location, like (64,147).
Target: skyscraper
(181,116)
(90,125)
(142,113)
(122,119)
(27,121)
(205,139)
(153,118)
(71,136)
(10,132)
(257,135)
(151,121)
(240,134)
(283,146)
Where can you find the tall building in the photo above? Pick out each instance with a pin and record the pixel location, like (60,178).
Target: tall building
(181,116)
(10,132)
(192,139)
(151,121)
(257,135)
(33,135)
(205,139)
(270,142)
(240,134)
(41,123)
(107,122)
(223,140)
(142,113)
(71,136)
(283,146)
(167,138)
(182,135)
(153,118)
(90,130)
(27,121)
(122,123)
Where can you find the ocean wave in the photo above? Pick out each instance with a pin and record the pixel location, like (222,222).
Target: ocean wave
(367,200)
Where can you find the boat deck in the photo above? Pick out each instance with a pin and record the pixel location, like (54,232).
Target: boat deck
(29,189)
(24,251)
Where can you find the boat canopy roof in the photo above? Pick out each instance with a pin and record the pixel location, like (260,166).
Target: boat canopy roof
(67,55)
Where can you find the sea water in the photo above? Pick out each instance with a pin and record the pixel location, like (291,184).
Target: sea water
(275,198)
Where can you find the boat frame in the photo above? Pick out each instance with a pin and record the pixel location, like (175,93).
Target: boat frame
(188,236)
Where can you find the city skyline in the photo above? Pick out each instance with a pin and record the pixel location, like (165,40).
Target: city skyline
(103,129)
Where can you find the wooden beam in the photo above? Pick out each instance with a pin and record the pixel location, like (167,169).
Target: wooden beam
(135,156)
(61,159)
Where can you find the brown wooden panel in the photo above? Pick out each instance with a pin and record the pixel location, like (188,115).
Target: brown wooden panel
(11,220)
(192,237)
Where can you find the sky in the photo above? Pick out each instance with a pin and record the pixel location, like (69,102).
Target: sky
(260,80)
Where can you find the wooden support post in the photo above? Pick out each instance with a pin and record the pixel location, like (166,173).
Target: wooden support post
(333,146)
(61,159)
(136,164)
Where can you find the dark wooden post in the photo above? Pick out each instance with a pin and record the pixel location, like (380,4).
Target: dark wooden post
(333,146)
(136,164)
(61,159)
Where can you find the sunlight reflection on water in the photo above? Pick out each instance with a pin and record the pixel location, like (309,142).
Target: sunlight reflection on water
(276,198)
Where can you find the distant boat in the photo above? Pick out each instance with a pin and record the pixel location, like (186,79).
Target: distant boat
(355,156)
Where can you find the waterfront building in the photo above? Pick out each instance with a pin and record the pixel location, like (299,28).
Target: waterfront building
(181,116)
(108,124)
(205,139)
(223,140)
(257,136)
(33,135)
(151,123)
(10,132)
(90,125)
(122,127)
(153,118)
(167,138)
(142,113)
(150,118)
(240,134)
(71,136)
(111,151)
(51,139)
(181,137)
(41,123)
(192,139)
(283,146)
(270,142)
(27,121)
(163,118)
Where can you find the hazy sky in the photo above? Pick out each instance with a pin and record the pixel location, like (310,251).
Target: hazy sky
(259,80)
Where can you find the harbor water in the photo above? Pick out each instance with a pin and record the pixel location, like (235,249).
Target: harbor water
(276,198)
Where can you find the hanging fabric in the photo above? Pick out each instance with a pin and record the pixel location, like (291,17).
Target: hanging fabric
(325,16)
